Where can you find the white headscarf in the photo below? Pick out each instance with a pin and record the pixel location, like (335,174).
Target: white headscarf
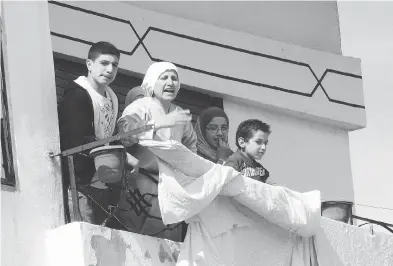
(153,73)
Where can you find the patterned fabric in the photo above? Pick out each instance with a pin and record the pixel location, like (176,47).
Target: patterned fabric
(247,166)
(146,110)
(233,220)
(105,109)
(339,244)
(105,115)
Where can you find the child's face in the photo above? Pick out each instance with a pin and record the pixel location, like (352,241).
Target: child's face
(256,146)
(167,86)
(103,69)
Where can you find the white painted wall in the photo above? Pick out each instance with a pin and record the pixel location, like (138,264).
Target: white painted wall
(301,155)
(90,245)
(311,24)
(372,148)
(218,60)
(36,204)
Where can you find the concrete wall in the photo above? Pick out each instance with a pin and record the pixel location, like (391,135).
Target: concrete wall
(309,147)
(336,243)
(372,40)
(304,154)
(35,205)
(311,24)
(301,155)
(277,75)
(91,245)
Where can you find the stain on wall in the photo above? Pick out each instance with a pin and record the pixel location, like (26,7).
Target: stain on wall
(147,255)
(163,255)
(175,248)
(109,251)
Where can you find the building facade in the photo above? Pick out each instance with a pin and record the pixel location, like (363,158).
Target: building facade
(278,62)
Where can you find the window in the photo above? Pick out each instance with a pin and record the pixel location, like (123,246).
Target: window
(67,69)
(7,164)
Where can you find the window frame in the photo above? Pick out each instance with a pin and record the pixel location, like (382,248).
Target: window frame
(8,167)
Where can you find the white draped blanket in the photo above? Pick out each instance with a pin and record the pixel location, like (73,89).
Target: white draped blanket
(233,220)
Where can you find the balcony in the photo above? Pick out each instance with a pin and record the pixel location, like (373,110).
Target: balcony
(35,206)
(84,244)
(337,242)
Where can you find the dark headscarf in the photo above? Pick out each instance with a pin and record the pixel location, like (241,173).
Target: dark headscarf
(203,147)
(132,94)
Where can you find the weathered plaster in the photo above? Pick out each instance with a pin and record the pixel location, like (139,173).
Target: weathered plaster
(36,205)
(101,246)
(301,155)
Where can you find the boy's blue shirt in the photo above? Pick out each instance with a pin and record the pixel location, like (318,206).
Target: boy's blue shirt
(247,166)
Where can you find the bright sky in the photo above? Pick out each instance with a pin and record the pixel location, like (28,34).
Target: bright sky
(367,33)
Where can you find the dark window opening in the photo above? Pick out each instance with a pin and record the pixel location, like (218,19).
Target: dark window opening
(67,70)
(8,171)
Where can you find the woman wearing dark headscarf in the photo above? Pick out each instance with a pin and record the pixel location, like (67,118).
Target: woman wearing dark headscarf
(212,135)
(133,95)
(211,130)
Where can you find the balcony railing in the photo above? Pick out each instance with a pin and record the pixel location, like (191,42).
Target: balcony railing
(342,211)
(138,202)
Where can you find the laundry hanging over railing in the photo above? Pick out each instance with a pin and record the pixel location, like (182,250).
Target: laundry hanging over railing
(235,220)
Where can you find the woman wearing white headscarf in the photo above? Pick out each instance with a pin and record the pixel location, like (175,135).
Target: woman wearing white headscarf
(161,85)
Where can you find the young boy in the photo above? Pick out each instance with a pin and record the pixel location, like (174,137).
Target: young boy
(252,137)
(87,113)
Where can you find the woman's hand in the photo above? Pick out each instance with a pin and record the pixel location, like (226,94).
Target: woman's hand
(127,123)
(174,118)
(223,151)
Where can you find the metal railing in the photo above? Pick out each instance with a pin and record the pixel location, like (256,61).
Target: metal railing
(387,226)
(137,201)
(345,214)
